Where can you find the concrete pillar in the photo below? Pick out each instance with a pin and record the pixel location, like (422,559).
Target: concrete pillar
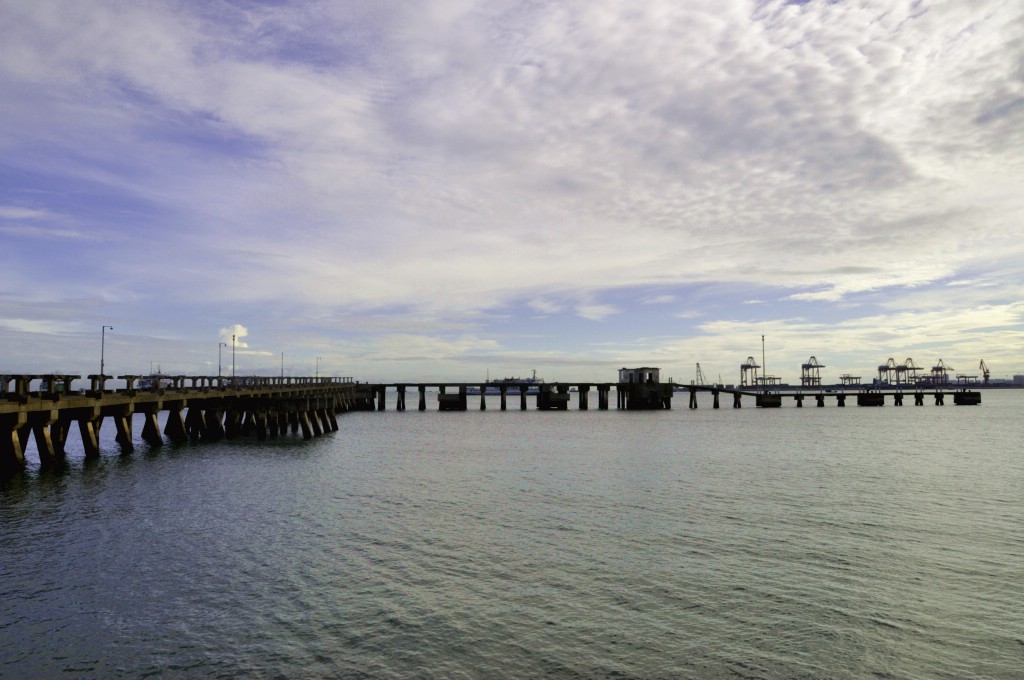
(44,443)
(88,426)
(260,424)
(123,422)
(12,451)
(303,422)
(522,397)
(584,404)
(483,397)
(232,422)
(693,398)
(175,426)
(737,400)
(799,400)
(821,400)
(504,392)
(214,421)
(714,394)
(195,424)
(423,397)
(314,423)
(151,428)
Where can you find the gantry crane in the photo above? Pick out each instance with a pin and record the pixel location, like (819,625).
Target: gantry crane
(940,373)
(810,375)
(984,373)
(887,371)
(748,371)
(907,372)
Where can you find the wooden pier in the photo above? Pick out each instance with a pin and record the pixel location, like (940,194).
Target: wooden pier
(198,409)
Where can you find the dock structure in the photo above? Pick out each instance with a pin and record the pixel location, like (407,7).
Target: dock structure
(201,409)
(647,396)
(198,409)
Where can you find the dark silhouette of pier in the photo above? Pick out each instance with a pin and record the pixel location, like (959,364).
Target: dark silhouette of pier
(648,396)
(202,409)
(198,408)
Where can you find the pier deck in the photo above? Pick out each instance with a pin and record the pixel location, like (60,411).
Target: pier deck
(198,409)
(202,408)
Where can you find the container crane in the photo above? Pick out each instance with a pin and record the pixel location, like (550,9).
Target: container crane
(940,373)
(984,373)
(887,371)
(810,373)
(907,372)
(748,372)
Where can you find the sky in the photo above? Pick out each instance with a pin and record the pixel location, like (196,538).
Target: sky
(451,190)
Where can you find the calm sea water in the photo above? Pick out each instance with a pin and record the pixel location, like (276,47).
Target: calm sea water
(789,543)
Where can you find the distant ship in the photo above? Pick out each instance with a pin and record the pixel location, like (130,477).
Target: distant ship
(154,381)
(511,385)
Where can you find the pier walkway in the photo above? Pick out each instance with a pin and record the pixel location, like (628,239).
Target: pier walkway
(648,396)
(201,408)
(198,408)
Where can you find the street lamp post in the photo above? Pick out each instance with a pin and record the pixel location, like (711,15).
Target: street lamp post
(318,367)
(219,346)
(103,347)
(764,368)
(232,360)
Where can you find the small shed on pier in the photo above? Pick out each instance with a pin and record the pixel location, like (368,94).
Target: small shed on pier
(641,389)
(642,375)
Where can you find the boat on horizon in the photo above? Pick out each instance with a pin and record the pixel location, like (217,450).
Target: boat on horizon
(532,385)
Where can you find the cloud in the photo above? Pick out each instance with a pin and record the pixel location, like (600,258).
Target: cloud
(596,312)
(232,336)
(439,165)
